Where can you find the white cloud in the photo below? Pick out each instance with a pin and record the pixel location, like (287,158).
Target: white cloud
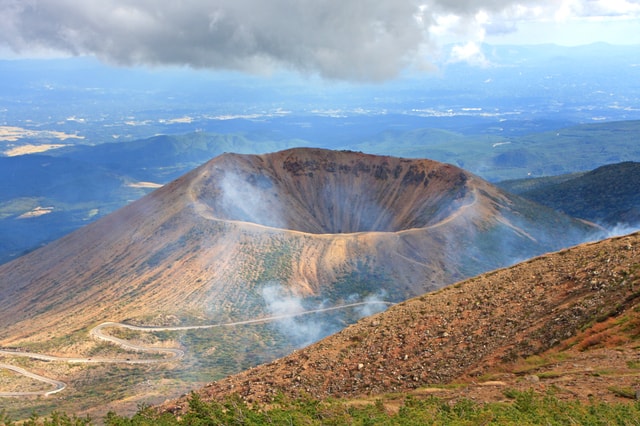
(600,9)
(470,53)
(352,39)
(349,39)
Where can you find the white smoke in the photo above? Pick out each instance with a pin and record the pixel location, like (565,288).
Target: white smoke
(303,329)
(300,330)
(246,200)
(621,229)
(373,304)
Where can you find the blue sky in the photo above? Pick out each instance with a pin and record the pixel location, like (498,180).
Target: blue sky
(352,40)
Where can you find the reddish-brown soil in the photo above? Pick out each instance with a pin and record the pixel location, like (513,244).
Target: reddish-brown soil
(567,321)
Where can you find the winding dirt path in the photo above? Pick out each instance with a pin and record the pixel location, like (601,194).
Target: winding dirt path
(58,385)
(174,353)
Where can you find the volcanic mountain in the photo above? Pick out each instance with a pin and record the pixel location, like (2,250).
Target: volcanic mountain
(244,259)
(323,225)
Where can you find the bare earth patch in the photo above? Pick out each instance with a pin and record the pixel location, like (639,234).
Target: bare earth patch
(38,211)
(144,185)
(31,149)
(14,133)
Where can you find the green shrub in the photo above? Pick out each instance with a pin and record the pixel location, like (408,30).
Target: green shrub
(527,408)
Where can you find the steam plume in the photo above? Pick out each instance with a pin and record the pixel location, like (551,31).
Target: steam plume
(302,330)
(244,198)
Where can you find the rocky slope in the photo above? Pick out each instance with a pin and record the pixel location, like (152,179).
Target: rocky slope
(578,310)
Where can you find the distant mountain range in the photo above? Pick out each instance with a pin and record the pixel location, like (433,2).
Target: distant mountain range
(253,236)
(578,148)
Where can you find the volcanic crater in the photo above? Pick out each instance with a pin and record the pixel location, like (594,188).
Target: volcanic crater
(329,192)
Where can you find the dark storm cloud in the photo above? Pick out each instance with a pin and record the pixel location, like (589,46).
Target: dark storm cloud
(340,39)
(350,39)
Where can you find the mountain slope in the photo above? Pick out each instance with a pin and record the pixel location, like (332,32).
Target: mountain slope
(607,195)
(578,300)
(135,166)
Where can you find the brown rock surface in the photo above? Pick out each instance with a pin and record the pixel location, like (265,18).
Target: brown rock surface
(568,320)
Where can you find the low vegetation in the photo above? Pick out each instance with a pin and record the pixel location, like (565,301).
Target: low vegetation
(523,408)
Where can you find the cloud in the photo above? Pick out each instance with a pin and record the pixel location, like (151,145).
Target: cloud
(571,9)
(470,53)
(349,40)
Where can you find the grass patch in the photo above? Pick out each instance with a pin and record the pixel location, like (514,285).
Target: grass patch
(634,365)
(538,361)
(623,392)
(611,332)
(525,407)
(550,375)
